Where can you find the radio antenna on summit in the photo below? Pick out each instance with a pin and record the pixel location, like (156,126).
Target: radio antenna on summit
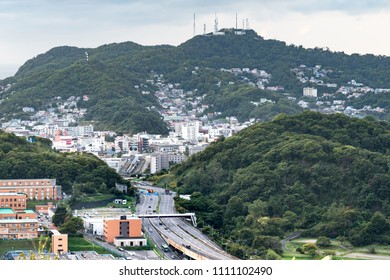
(194,25)
(236,21)
(216,23)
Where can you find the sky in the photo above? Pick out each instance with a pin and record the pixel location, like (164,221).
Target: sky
(32,27)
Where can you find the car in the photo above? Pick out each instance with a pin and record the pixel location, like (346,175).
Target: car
(121,249)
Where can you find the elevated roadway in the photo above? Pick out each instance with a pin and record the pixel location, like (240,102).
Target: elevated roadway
(173,230)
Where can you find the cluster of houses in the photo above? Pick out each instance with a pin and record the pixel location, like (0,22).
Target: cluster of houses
(193,126)
(330,101)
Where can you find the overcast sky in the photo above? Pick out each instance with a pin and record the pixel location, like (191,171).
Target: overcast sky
(31,27)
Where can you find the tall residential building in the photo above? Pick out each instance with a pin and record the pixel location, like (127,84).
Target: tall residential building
(190,130)
(158,162)
(38,189)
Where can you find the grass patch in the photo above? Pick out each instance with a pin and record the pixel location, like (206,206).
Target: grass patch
(149,246)
(25,244)
(129,205)
(97,197)
(164,181)
(341,249)
(81,244)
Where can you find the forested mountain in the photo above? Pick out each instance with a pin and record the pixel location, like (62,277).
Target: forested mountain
(319,174)
(20,159)
(114,77)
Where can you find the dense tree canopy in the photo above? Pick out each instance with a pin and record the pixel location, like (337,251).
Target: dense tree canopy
(20,159)
(322,174)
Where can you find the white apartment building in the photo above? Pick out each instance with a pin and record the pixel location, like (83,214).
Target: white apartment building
(189,131)
(309,92)
(77,131)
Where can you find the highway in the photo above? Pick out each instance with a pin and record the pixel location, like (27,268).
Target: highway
(176,230)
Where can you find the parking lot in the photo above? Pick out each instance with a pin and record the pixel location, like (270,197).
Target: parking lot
(104,212)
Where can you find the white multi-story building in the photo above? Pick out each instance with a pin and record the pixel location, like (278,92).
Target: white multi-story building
(190,130)
(160,161)
(176,158)
(77,131)
(309,92)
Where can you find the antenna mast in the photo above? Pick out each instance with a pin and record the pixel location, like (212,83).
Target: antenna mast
(194,25)
(216,24)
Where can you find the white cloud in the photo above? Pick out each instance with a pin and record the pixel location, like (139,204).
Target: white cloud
(32,27)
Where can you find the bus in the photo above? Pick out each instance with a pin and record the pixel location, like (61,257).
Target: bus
(165,247)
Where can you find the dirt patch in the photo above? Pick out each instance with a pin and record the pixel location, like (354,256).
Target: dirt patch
(306,240)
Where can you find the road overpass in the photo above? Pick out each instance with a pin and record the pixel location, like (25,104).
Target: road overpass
(159,216)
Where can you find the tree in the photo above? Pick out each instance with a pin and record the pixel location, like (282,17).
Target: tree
(309,249)
(72,226)
(272,255)
(60,215)
(323,241)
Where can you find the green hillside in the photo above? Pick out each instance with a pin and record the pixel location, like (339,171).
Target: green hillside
(115,75)
(319,174)
(20,159)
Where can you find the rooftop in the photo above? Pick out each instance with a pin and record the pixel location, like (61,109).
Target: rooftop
(10,193)
(18,221)
(86,255)
(28,211)
(6,211)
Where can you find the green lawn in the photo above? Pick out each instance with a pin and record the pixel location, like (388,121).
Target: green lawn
(97,197)
(342,249)
(80,244)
